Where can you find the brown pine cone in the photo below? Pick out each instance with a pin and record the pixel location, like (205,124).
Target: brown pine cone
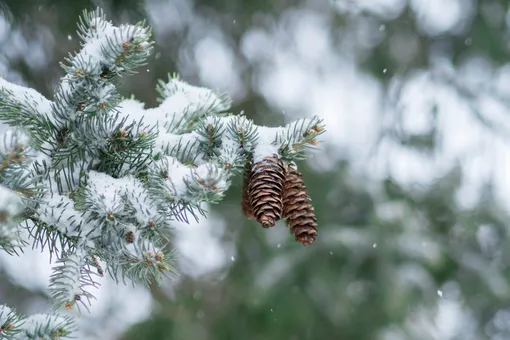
(245,200)
(298,209)
(266,190)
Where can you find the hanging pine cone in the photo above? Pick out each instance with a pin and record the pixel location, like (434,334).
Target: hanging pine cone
(298,209)
(266,190)
(245,200)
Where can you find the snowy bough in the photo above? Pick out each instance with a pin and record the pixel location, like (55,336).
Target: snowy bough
(97,179)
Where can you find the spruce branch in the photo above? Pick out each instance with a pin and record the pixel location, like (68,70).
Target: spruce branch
(128,151)
(197,103)
(141,261)
(244,133)
(14,326)
(16,157)
(185,148)
(210,133)
(27,109)
(299,136)
(71,276)
(46,327)
(44,236)
(10,323)
(98,177)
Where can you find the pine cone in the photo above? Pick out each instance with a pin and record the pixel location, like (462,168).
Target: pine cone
(246,203)
(298,209)
(266,190)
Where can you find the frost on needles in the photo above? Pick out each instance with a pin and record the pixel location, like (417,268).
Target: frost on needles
(97,179)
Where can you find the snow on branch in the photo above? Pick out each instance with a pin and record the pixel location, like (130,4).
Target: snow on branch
(15,326)
(71,276)
(98,177)
(28,109)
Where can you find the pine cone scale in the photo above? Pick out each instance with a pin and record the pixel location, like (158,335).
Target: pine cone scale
(302,215)
(270,183)
(297,193)
(303,229)
(305,239)
(270,192)
(267,203)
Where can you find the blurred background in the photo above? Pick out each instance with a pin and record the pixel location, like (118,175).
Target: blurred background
(410,184)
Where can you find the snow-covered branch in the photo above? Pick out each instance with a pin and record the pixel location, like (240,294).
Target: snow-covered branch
(15,326)
(102,178)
